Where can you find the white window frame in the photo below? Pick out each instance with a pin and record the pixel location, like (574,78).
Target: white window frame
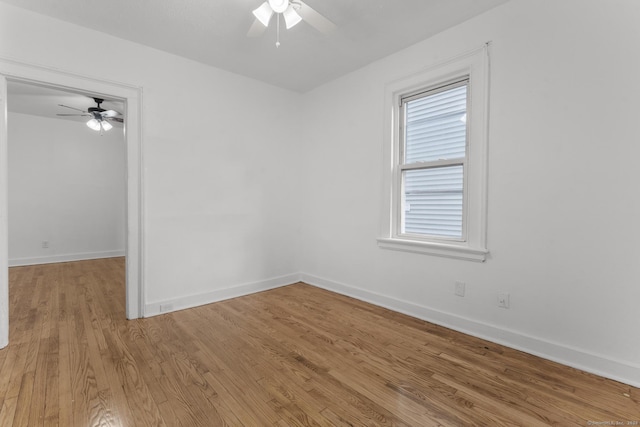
(472,246)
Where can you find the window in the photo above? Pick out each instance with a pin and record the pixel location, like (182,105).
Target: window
(435,188)
(433,141)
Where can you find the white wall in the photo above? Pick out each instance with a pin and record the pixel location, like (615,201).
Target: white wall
(66,187)
(563,186)
(216,197)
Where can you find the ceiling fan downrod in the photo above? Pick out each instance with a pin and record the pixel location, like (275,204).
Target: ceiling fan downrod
(278,31)
(98,101)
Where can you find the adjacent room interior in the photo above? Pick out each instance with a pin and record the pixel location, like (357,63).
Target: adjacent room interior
(66,182)
(248,244)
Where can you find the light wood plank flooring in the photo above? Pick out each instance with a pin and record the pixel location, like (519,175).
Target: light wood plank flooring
(294,356)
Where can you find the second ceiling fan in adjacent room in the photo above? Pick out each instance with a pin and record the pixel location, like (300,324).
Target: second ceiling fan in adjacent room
(100,117)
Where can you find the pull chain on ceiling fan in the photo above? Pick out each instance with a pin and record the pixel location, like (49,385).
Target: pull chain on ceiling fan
(293,11)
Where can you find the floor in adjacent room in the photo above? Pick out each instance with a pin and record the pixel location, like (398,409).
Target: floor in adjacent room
(293,356)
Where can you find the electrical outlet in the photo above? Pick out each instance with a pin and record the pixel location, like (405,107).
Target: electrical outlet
(45,244)
(460,289)
(503,300)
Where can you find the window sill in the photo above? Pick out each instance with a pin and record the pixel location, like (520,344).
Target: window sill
(432,248)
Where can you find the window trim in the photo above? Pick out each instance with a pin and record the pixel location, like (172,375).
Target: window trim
(473,65)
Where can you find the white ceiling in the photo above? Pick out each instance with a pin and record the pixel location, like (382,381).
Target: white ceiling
(214,32)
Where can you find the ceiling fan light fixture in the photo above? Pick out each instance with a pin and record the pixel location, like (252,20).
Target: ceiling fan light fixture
(264,13)
(106,125)
(279,6)
(94,124)
(291,17)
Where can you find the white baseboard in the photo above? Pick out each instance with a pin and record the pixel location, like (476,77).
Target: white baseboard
(603,366)
(167,306)
(19,262)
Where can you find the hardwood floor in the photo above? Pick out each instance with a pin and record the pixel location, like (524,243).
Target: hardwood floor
(294,356)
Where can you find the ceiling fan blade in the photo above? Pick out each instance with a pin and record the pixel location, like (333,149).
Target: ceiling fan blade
(75,115)
(73,108)
(110,113)
(257,29)
(115,119)
(313,18)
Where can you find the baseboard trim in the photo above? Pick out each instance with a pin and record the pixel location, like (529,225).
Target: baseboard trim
(576,358)
(176,304)
(20,262)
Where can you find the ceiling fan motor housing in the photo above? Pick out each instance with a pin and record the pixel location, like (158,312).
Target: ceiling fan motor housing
(279,6)
(95,112)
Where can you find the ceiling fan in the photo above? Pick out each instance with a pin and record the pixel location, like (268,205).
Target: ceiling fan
(293,11)
(100,117)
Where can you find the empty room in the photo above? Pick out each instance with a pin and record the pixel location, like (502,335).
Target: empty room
(319,213)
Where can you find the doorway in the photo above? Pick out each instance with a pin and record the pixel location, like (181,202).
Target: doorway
(66,180)
(131,98)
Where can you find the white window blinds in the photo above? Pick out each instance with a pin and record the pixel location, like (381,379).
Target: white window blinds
(433,153)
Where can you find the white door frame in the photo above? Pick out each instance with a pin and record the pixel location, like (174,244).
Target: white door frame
(132,96)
